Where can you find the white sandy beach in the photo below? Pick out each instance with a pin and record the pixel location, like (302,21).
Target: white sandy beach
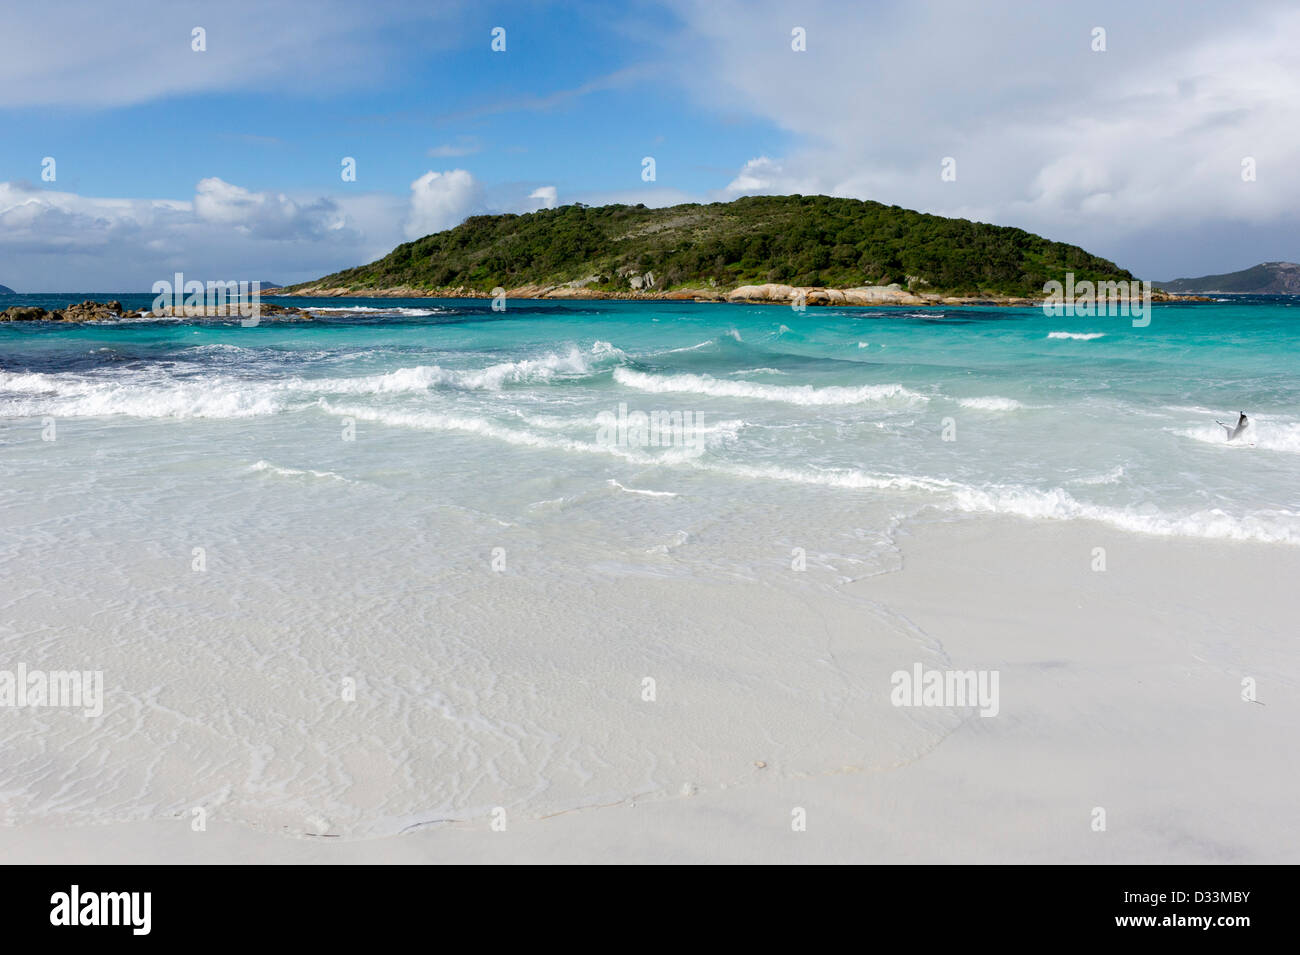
(1120,690)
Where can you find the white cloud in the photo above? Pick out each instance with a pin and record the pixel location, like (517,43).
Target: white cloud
(52,240)
(543,197)
(264,214)
(89,53)
(463,146)
(1102,149)
(441,200)
(762,175)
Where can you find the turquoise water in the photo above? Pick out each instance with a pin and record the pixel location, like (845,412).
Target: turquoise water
(1048,417)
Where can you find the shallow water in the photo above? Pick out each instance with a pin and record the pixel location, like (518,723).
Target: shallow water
(1051,417)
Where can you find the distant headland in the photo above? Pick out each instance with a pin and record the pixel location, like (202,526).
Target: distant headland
(1267,278)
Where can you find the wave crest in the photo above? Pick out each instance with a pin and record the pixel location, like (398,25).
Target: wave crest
(791,394)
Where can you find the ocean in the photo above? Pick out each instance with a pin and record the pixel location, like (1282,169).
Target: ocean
(416,559)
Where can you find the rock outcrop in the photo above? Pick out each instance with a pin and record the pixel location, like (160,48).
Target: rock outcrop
(87,311)
(24,313)
(91,311)
(863,295)
(231,310)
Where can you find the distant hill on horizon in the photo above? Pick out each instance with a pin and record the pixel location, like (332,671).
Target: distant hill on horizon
(6,290)
(1267,278)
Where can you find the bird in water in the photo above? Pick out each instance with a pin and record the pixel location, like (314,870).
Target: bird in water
(1234,432)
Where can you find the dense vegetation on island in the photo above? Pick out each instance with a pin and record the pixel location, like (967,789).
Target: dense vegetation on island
(793,240)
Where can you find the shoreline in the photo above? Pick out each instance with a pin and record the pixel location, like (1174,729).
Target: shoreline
(868,296)
(91,311)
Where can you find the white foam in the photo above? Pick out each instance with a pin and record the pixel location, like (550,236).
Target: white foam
(419,378)
(791,394)
(1077,336)
(139,396)
(1259,434)
(573,364)
(1057,504)
(637,490)
(1278,526)
(397,310)
(436,421)
(30,383)
(150,394)
(694,347)
(1112,476)
(268,467)
(546,368)
(993,403)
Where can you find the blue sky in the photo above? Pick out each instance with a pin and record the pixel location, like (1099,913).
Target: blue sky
(226,163)
(525,114)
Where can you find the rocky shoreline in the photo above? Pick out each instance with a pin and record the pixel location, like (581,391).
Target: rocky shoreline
(771,294)
(92,311)
(872,295)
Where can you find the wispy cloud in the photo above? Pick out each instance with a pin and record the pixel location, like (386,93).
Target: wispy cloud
(463,146)
(87,54)
(553,100)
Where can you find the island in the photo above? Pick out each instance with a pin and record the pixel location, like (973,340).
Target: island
(819,250)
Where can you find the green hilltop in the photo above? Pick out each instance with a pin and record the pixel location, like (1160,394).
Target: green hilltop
(793,240)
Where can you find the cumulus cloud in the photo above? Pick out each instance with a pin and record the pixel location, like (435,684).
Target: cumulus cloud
(1100,148)
(440,200)
(266,215)
(764,176)
(543,197)
(52,240)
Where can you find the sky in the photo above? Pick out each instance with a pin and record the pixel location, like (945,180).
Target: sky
(1162,135)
